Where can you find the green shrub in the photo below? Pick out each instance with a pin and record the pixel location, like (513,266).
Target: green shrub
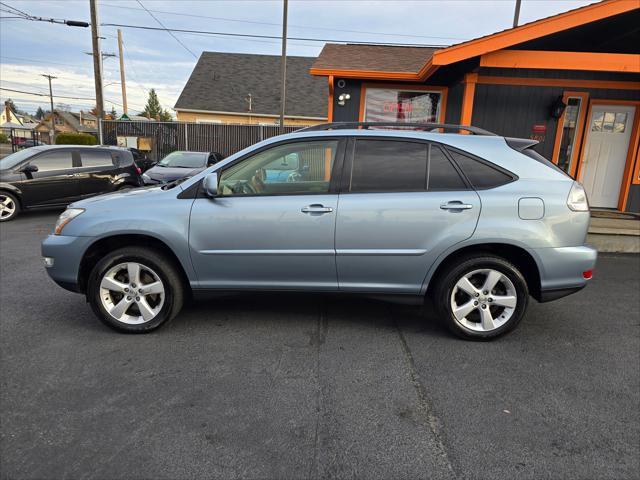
(75,139)
(4,138)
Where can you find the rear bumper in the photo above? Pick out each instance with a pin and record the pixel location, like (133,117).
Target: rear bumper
(561,270)
(67,253)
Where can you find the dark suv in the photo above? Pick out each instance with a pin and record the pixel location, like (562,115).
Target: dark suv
(50,176)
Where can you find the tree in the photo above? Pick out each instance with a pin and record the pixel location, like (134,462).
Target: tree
(40,113)
(154,110)
(113,113)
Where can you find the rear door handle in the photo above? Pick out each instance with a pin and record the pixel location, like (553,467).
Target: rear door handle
(316,208)
(456,205)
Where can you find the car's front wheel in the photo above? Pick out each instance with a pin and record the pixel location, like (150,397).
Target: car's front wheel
(9,206)
(135,290)
(481,297)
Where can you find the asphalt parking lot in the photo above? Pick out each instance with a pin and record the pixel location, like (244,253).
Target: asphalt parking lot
(288,386)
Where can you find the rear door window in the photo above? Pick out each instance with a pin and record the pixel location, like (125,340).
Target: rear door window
(442,175)
(481,175)
(399,166)
(96,158)
(388,166)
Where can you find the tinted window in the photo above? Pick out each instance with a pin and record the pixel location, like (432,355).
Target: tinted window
(14,159)
(388,166)
(294,168)
(96,158)
(55,160)
(479,174)
(442,174)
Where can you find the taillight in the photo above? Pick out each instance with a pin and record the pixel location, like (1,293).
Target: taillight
(588,274)
(139,170)
(577,200)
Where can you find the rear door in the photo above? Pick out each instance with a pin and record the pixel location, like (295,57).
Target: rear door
(402,203)
(97,171)
(55,182)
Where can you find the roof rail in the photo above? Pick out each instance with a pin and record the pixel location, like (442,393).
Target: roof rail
(431,127)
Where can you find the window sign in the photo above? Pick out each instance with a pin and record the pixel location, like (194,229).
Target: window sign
(569,129)
(389,105)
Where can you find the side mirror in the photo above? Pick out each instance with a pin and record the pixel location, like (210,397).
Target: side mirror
(210,185)
(29,169)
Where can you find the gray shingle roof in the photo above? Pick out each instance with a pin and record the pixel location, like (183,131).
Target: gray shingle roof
(221,82)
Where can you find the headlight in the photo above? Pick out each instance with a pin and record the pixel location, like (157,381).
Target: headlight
(577,200)
(146,178)
(65,217)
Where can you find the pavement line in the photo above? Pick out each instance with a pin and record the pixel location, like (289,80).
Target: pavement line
(424,404)
(320,337)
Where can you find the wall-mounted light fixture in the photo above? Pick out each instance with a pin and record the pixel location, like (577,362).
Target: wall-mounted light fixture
(342,99)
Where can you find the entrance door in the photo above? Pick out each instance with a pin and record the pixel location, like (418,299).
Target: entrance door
(607,144)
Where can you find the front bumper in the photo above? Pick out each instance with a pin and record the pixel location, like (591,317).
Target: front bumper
(66,253)
(561,270)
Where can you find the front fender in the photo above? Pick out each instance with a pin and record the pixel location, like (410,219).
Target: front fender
(10,188)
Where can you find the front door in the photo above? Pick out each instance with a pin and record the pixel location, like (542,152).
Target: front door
(268,230)
(55,182)
(402,204)
(606,148)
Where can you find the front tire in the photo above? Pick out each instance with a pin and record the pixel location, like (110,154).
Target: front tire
(9,206)
(135,290)
(481,297)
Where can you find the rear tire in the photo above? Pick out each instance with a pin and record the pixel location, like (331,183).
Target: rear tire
(9,206)
(135,290)
(481,297)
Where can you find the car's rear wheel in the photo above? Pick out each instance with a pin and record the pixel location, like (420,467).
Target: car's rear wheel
(135,290)
(9,206)
(481,297)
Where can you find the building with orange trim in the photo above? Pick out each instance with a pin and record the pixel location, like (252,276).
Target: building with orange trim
(571,81)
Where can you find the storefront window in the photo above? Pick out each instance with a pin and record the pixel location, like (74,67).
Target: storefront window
(388,105)
(568,141)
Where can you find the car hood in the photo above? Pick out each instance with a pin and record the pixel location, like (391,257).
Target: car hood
(125,196)
(169,174)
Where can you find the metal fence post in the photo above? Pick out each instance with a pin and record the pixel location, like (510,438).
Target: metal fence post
(186,136)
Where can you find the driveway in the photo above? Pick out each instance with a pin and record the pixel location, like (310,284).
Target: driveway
(295,386)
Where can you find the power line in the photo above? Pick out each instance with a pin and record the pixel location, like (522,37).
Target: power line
(168,31)
(44,61)
(60,96)
(15,10)
(308,27)
(277,37)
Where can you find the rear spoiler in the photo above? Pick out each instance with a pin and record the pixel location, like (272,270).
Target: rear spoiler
(520,144)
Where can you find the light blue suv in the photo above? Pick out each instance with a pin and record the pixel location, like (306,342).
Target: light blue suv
(476,221)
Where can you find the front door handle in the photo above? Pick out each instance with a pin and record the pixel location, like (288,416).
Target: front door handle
(456,205)
(316,208)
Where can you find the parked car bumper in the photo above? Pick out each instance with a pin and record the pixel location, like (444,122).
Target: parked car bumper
(564,270)
(62,256)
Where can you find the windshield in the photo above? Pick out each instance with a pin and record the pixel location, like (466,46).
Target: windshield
(184,160)
(14,159)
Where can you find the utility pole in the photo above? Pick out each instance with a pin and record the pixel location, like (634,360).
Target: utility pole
(283,68)
(97,66)
(122,84)
(52,134)
(516,15)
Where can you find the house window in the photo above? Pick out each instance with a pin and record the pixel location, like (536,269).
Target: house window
(391,105)
(569,129)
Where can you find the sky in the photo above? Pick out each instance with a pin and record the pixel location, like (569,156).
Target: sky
(154,59)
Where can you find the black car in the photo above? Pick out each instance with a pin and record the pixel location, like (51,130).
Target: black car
(140,157)
(178,165)
(51,176)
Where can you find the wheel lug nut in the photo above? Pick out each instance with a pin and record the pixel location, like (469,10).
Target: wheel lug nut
(485,292)
(126,289)
(137,299)
(475,303)
(491,299)
(129,298)
(484,306)
(477,294)
(133,285)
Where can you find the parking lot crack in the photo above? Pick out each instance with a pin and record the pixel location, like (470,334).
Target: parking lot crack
(322,326)
(429,418)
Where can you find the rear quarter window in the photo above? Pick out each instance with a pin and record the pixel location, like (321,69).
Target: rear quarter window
(481,175)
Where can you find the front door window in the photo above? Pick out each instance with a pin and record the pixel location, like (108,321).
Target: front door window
(298,168)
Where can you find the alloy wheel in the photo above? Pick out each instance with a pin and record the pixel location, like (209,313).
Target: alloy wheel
(7,207)
(132,293)
(483,300)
